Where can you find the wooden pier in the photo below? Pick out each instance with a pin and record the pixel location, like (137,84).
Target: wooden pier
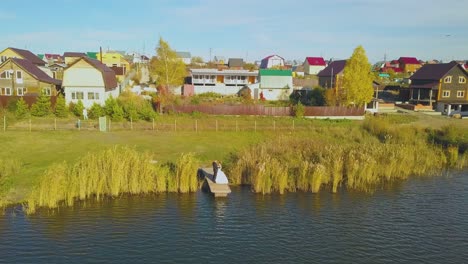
(218,190)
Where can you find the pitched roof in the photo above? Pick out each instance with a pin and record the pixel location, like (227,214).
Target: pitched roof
(335,67)
(35,71)
(408,60)
(264,63)
(92,54)
(108,75)
(316,61)
(235,62)
(433,71)
(74,54)
(27,55)
(184,54)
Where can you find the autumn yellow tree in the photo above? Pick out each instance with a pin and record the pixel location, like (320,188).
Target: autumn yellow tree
(357,79)
(168,67)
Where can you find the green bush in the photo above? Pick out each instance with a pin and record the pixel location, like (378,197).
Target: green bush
(61,110)
(96,111)
(22,109)
(78,109)
(42,107)
(299,110)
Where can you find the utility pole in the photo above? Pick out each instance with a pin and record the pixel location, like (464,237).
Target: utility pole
(210,54)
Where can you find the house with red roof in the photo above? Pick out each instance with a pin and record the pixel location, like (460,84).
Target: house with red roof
(90,81)
(313,65)
(21,77)
(272,61)
(409,64)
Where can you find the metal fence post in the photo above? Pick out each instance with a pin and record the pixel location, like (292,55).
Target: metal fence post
(55,123)
(196,125)
(30,125)
(293,125)
(236,126)
(4,123)
(131,123)
(274,125)
(216,125)
(153,123)
(175,125)
(255,125)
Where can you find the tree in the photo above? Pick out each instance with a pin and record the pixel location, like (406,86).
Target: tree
(78,109)
(61,107)
(96,111)
(168,67)
(196,60)
(357,79)
(22,109)
(42,105)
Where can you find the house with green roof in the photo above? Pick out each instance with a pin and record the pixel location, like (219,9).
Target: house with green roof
(92,54)
(275,84)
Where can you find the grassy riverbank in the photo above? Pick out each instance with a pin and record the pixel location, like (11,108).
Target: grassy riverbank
(323,155)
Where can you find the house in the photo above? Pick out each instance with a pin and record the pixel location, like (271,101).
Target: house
(90,81)
(272,61)
(221,81)
(275,84)
(20,77)
(71,57)
(409,64)
(236,63)
(57,70)
(185,56)
(21,54)
(313,65)
(115,61)
(53,58)
(92,54)
(332,75)
(444,84)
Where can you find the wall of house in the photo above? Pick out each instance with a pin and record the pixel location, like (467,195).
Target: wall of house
(313,69)
(32,85)
(82,74)
(275,82)
(114,59)
(411,67)
(87,102)
(454,86)
(218,88)
(10,54)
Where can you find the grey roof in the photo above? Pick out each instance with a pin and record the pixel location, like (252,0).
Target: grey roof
(184,54)
(235,62)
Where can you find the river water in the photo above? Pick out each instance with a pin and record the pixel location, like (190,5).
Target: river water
(417,221)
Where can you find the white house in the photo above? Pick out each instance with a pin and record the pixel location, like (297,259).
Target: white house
(226,82)
(272,61)
(275,84)
(90,81)
(185,56)
(313,65)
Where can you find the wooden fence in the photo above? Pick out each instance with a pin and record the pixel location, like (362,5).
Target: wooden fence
(261,110)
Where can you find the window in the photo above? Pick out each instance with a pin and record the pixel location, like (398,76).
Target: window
(79,95)
(5,91)
(73,95)
(6,75)
(446,94)
(20,91)
(448,79)
(3,58)
(93,96)
(19,75)
(47,91)
(460,94)
(461,79)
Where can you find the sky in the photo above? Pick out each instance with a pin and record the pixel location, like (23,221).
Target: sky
(249,29)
